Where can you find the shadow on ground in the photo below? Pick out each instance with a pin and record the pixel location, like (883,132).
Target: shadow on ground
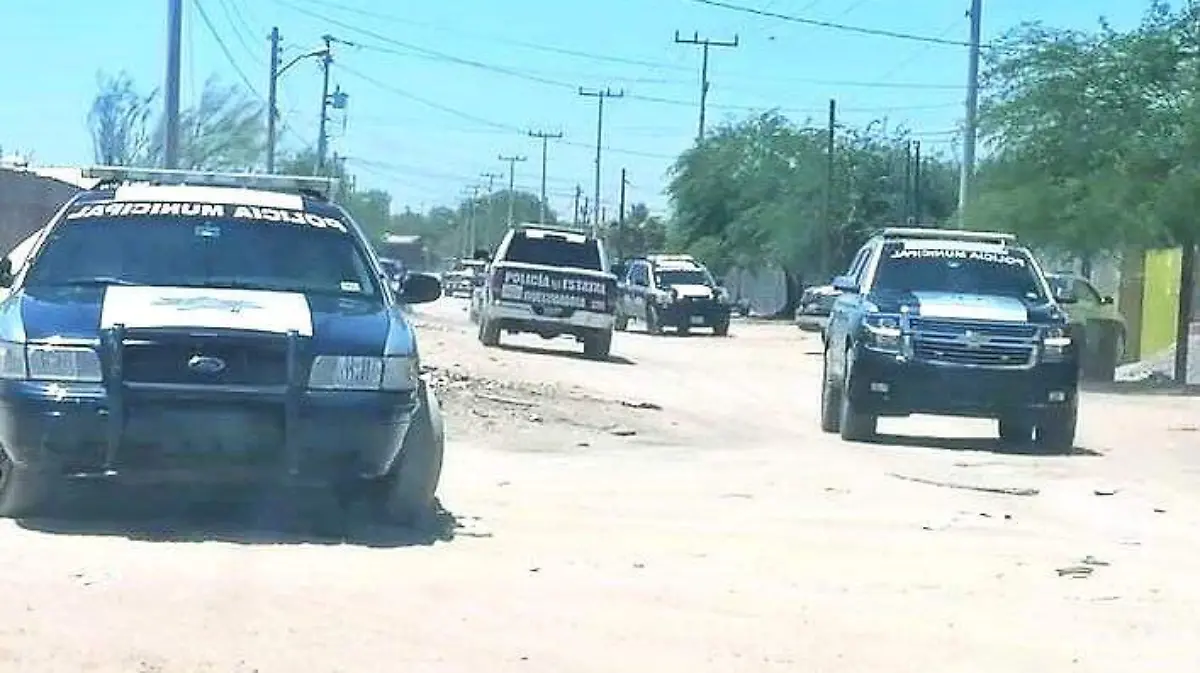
(557,352)
(260,522)
(985,444)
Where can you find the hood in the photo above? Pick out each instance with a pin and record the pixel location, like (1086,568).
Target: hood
(696,291)
(961,306)
(336,324)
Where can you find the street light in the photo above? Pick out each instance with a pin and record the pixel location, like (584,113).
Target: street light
(273,103)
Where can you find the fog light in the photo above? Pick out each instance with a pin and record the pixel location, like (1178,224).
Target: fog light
(1057,396)
(877,387)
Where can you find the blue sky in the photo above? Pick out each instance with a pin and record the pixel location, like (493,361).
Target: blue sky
(438,90)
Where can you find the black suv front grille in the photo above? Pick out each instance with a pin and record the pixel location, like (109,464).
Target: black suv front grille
(179,359)
(974,343)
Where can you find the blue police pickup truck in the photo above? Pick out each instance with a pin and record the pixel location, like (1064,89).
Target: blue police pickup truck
(171,326)
(954,323)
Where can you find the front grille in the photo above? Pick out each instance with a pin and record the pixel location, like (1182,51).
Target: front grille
(974,343)
(248,361)
(696,304)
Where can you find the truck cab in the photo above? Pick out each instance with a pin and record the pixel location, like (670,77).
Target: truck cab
(957,323)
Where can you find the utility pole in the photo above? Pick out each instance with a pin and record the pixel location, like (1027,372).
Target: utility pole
(491,202)
(583,210)
(600,95)
(704,83)
(545,138)
(827,251)
(971,129)
(620,246)
(322,137)
(578,194)
(273,99)
(171,114)
(917,206)
(908,164)
(472,193)
(512,173)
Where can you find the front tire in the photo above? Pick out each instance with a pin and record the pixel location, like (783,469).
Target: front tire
(856,425)
(598,345)
(831,401)
(653,326)
(409,493)
(721,327)
(1055,433)
(23,492)
(489,332)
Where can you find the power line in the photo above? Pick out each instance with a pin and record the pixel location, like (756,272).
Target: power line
(224,48)
(238,28)
(877,32)
(704,44)
(600,95)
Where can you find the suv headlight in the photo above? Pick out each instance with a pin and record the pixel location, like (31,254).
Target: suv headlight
(44,362)
(1056,341)
(883,332)
(359,372)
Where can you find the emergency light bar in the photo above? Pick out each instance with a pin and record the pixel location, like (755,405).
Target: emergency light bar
(321,186)
(995,238)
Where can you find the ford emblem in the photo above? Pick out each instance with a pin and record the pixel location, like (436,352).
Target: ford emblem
(204,364)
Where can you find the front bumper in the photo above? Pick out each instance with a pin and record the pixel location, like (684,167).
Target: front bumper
(688,312)
(884,385)
(191,433)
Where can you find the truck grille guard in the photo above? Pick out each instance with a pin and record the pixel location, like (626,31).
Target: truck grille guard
(112,349)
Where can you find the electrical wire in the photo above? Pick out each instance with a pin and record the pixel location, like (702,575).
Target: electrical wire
(240,30)
(833,25)
(225,49)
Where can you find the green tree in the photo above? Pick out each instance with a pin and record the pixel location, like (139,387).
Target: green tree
(641,233)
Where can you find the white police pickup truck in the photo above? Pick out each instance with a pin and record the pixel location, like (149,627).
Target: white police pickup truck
(550,282)
(172,326)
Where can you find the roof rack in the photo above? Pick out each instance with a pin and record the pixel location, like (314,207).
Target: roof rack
(994,237)
(307,185)
(557,228)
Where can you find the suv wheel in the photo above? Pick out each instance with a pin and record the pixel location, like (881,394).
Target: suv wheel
(621,323)
(721,326)
(1055,432)
(856,425)
(598,344)
(652,324)
(831,403)
(489,332)
(407,496)
(22,492)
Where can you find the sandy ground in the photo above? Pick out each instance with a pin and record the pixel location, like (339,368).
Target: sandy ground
(676,509)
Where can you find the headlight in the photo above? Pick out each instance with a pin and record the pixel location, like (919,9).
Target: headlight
(883,332)
(38,362)
(1055,343)
(358,372)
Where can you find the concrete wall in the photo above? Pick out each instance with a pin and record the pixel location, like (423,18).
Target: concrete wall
(27,201)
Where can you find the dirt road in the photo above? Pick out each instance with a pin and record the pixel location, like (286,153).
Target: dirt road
(674,510)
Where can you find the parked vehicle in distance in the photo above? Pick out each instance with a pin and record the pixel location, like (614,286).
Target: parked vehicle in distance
(675,291)
(957,323)
(551,282)
(461,280)
(812,311)
(1104,328)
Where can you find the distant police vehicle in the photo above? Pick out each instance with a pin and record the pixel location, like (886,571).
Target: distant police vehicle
(950,322)
(178,326)
(673,291)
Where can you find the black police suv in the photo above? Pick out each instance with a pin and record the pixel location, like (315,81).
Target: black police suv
(950,322)
(179,327)
(672,291)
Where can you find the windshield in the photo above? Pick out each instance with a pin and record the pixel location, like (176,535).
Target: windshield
(554,251)
(927,269)
(682,277)
(202,252)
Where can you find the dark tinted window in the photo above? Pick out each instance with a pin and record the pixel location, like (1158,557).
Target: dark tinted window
(682,277)
(205,252)
(554,250)
(1009,273)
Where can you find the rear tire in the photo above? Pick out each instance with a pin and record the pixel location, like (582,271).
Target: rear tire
(489,332)
(721,327)
(408,496)
(598,345)
(621,324)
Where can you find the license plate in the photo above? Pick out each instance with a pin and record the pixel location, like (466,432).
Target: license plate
(697,320)
(552,311)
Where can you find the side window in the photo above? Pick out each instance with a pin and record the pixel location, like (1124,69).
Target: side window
(859,267)
(1086,293)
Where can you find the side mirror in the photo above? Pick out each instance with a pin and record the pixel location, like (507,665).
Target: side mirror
(482,255)
(6,272)
(1065,295)
(844,284)
(1107,301)
(420,288)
